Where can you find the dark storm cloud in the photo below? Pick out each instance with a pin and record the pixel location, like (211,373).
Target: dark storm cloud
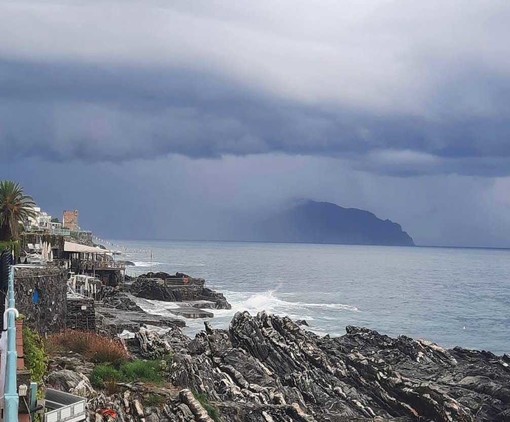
(197,112)
(122,113)
(395,87)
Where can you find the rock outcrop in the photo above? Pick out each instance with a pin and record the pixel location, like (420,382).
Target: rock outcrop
(71,382)
(176,288)
(267,368)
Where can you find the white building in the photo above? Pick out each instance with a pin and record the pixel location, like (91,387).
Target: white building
(41,220)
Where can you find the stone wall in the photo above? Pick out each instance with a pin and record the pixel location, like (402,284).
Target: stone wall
(81,314)
(41,296)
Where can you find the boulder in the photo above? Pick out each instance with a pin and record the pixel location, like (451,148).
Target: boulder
(70,382)
(179,288)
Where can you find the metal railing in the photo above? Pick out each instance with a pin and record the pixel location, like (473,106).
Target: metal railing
(9,371)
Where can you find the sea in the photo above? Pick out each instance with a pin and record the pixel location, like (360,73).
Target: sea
(451,296)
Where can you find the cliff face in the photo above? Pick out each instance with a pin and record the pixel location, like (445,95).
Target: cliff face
(323,222)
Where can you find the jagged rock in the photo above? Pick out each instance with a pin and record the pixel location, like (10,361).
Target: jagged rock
(267,368)
(71,382)
(151,345)
(71,361)
(120,300)
(178,288)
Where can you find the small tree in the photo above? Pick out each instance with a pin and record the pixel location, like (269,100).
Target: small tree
(15,206)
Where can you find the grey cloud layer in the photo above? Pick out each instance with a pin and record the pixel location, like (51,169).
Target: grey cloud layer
(396,87)
(123,113)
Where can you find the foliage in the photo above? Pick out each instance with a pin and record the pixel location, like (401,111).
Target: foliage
(96,348)
(36,358)
(103,374)
(10,245)
(137,370)
(204,401)
(15,206)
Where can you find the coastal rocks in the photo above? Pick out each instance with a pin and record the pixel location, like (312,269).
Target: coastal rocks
(177,288)
(267,368)
(121,300)
(115,321)
(190,312)
(71,382)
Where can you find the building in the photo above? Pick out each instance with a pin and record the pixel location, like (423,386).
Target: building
(70,220)
(40,221)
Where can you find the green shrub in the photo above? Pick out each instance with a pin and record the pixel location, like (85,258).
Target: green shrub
(104,374)
(140,370)
(211,410)
(36,359)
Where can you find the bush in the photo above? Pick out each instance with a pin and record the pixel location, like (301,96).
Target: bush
(140,370)
(103,374)
(36,359)
(98,349)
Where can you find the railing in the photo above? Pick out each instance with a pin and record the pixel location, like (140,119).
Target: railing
(11,398)
(110,264)
(64,407)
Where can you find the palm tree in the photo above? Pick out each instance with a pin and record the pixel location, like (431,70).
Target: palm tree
(15,206)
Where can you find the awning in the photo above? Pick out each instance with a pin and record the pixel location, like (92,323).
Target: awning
(78,248)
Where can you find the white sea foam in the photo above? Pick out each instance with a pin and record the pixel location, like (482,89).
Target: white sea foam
(270,302)
(147,263)
(253,303)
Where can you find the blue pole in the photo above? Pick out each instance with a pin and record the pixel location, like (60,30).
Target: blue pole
(11,394)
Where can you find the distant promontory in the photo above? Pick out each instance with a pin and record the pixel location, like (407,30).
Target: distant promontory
(324,222)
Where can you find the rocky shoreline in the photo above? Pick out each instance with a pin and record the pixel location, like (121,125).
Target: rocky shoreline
(118,311)
(268,368)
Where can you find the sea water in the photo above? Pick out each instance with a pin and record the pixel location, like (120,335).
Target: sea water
(454,297)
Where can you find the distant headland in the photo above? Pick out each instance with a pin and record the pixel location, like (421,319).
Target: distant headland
(324,222)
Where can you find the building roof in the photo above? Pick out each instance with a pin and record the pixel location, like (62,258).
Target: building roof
(78,248)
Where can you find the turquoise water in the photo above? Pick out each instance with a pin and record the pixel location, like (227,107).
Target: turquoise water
(450,296)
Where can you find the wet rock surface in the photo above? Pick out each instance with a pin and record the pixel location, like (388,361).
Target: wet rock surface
(176,288)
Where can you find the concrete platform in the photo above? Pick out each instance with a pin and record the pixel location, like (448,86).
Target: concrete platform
(190,312)
(129,320)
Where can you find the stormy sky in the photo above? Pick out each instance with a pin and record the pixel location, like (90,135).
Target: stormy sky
(162,119)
